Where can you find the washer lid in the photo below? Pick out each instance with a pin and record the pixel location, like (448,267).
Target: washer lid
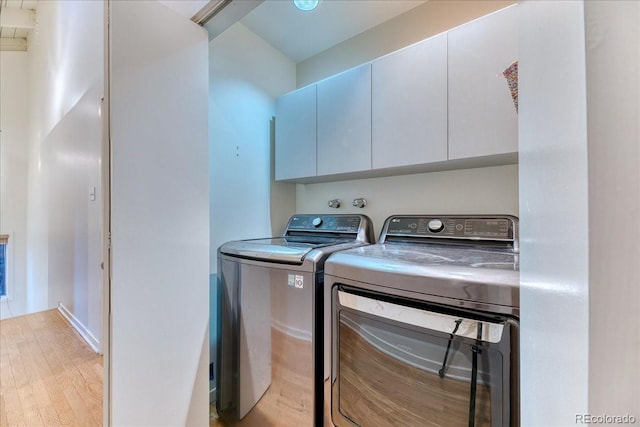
(287,250)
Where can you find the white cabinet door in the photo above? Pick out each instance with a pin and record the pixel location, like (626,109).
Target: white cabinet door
(296,134)
(482,117)
(409,105)
(344,122)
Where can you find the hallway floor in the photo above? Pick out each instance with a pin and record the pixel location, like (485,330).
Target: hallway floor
(48,375)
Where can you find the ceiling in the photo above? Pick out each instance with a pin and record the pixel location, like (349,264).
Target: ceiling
(187,8)
(297,34)
(17,18)
(301,35)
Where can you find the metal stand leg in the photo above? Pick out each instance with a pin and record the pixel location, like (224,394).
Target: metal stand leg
(446,353)
(474,377)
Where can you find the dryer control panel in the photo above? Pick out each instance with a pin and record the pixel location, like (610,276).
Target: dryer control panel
(454,227)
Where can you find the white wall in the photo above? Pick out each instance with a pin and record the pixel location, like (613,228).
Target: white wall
(580,198)
(159,217)
(65,62)
(72,153)
(469,191)
(14,96)
(246,76)
(554,206)
(65,58)
(613,113)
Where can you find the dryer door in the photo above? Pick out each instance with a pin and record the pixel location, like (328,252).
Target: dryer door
(408,363)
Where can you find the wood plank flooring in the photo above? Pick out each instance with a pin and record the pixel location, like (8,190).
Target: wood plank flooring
(48,375)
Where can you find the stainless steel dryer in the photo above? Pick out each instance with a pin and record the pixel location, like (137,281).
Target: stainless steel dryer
(425,324)
(271,321)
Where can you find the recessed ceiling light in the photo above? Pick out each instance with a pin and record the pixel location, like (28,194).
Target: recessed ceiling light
(306,5)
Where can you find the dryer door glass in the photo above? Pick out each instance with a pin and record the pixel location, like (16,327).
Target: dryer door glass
(399,363)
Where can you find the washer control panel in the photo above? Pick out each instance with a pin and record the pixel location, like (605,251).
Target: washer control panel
(327,223)
(435,225)
(474,227)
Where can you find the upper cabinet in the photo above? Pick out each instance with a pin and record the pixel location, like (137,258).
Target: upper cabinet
(442,103)
(409,105)
(296,134)
(482,117)
(344,122)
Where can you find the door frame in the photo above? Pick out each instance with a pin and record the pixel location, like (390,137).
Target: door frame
(105,175)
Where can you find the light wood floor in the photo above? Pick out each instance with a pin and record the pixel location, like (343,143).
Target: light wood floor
(48,375)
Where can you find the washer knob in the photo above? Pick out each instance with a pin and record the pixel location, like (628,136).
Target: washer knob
(435,226)
(317,222)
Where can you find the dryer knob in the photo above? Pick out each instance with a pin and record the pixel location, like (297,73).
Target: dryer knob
(317,222)
(435,226)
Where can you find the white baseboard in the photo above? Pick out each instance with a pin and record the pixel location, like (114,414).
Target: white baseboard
(82,330)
